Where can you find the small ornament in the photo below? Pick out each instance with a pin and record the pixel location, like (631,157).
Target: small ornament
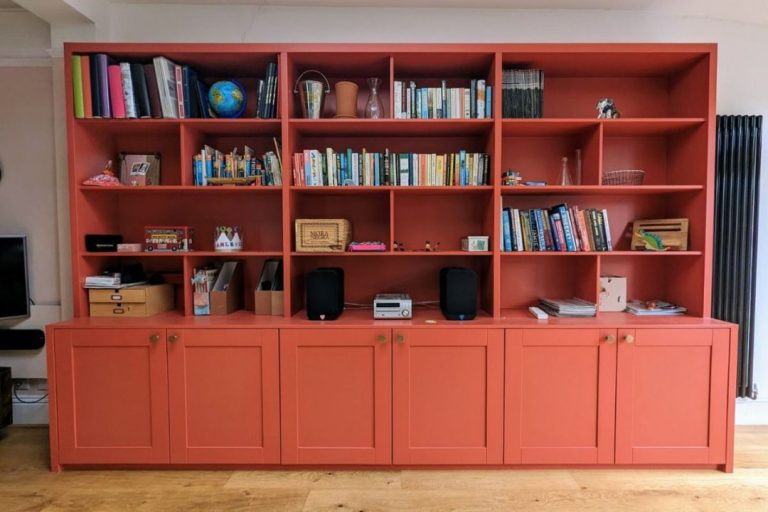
(652,241)
(511,178)
(228,239)
(606,109)
(565,174)
(106,178)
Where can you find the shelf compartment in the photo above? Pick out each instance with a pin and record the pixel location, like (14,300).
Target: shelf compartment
(642,82)
(668,158)
(526,279)
(355,67)
(259,217)
(367,213)
(623,210)
(419,277)
(538,155)
(97,141)
(676,279)
(442,218)
(391,127)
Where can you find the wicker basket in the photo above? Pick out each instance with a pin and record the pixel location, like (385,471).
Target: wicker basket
(322,235)
(624,177)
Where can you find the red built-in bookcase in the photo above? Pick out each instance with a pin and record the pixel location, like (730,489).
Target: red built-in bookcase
(666,93)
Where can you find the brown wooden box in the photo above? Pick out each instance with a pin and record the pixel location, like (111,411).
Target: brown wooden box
(133,301)
(227,292)
(322,235)
(673,233)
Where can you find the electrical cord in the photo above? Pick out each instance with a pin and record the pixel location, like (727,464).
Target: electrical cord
(16,396)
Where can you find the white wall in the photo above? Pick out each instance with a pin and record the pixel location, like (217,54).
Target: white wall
(742,73)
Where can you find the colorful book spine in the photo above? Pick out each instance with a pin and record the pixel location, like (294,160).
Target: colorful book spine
(129,99)
(85,66)
(506,229)
(77,87)
(104,90)
(116,100)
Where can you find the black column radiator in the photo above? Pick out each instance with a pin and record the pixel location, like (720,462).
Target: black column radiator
(737,195)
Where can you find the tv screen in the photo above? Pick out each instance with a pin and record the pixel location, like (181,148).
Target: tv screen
(14,291)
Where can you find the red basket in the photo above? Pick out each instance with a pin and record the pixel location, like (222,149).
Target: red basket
(624,177)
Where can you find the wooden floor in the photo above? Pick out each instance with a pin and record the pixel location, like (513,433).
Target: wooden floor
(26,485)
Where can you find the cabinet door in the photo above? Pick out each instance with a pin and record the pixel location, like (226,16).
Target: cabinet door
(336,396)
(448,396)
(560,391)
(672,396)
(224,396)
(112,392)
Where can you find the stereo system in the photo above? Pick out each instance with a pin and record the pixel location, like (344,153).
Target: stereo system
(325,293)
(392,306)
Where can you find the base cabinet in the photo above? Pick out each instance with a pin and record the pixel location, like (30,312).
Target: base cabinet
(672,396)
(448,396)
(336,396)
(560,396)
(224,396)
(112,396)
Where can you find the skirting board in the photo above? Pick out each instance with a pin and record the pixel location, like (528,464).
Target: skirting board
(752,412)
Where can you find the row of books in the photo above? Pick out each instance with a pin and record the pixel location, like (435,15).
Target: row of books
(473,102)
(347,168)
(105,88)
(211,165)
(560,228)
(522,93)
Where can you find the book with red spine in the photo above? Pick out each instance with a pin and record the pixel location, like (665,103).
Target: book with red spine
(116,100)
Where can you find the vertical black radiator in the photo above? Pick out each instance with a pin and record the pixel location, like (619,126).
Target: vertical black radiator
(737,195)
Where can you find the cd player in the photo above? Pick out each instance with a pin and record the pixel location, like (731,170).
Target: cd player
(392,305)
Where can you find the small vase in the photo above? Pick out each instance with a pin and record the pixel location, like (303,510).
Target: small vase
(374,108)
(565,175)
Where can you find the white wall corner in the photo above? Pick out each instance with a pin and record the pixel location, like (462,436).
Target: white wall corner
(752,412)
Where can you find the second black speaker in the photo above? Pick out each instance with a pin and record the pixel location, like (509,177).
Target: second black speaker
(458,293)
(325,293)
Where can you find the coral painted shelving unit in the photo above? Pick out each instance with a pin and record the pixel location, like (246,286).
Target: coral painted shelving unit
(502,389)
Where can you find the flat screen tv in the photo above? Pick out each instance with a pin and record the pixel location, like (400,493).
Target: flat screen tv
(14,282)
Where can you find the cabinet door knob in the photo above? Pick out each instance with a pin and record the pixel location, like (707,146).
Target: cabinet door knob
(629,338)
(400,339)
(381,339)
(610,338)
(154,338)
(173,338)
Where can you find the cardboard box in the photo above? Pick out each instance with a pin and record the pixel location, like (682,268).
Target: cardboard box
(227,292)
(323,235)
(137,301)
(613,293)
(268,297)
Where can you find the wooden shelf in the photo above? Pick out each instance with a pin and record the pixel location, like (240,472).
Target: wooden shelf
(601,190)
(601,253)
(179,254)
(426,254)
(396,189)
(391,127)
(175,189)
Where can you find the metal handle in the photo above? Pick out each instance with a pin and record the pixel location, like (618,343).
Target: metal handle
(173,338)
(327,83)
(400,339)
(610,338)
(381,339)
(154,338)
(629,338)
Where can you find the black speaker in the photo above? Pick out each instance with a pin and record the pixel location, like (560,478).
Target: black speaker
(21,339)
(325,293)
(102,243)
(458,293)
(6,405)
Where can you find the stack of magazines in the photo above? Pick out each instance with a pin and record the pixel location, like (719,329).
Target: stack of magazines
(654,308)
(568,307)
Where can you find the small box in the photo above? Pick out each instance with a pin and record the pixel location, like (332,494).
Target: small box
(613,293)
(133,301)
(474,243)
(227,292)
(322,235)
(268,297)
(139,170)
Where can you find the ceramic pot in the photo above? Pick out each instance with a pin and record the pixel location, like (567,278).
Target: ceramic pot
(346,99)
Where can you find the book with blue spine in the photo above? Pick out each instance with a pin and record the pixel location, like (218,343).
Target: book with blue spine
(506,230)
(567,228)
(540,230)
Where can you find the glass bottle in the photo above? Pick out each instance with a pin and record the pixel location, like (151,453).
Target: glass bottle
(565,175)
(578,177)
(374,108)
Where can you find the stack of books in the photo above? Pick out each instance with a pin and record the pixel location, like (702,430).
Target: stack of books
(522,93)
(315,168)
(473,102)
(105,88)
(568,307)
(560,228)
(212,163)
(654,308)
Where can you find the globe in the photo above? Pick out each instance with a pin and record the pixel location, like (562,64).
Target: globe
(227,99)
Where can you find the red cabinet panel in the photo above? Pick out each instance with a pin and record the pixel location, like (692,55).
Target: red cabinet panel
(224,395)
(112,396)
(336,396)
(448,396)
(559,399)
(672,396)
